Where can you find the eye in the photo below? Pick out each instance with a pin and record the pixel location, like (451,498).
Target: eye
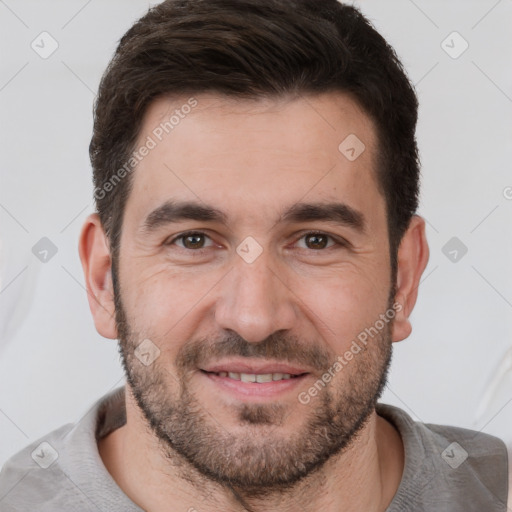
(318,241)
(196,240)
(192,240)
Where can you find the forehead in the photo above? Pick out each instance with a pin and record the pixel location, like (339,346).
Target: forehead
(270,152)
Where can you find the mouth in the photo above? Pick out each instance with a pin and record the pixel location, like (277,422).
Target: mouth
(255,381)
(256,377)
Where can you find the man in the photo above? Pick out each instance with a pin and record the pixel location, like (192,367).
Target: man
(256,251)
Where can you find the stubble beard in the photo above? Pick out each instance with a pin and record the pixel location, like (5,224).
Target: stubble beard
(262,459)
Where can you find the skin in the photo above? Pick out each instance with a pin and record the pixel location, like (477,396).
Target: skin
(252,160)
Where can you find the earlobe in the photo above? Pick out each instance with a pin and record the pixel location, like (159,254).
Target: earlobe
(413,256)
(97,266)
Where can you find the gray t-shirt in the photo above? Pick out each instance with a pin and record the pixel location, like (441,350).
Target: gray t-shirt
(446,468)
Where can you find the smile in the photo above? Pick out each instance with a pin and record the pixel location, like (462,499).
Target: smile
(256,377)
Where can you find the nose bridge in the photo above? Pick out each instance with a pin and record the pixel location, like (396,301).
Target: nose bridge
(254,301)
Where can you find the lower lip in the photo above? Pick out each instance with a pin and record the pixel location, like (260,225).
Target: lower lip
(244,390)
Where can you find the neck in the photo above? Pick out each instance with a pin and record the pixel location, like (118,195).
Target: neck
(365,476)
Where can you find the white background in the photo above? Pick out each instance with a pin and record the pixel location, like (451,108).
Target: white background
(53,364)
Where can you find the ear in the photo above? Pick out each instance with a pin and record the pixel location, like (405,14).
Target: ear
(412,259)
(97,265)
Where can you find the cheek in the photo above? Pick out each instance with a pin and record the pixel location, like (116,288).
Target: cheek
(165,304)
(160,301)
(343,304)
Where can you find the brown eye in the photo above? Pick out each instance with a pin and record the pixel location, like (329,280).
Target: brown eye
(192,240)
(316,241)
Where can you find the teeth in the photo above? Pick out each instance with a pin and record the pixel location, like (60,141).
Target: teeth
(266,377)
(252,377)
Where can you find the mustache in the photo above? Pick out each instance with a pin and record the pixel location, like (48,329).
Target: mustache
(277,346)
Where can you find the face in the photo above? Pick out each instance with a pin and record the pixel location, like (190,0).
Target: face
(253,255)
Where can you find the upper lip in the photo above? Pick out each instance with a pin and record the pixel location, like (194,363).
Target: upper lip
(254,367)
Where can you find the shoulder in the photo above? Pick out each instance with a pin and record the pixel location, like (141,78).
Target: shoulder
(437,436)
(33,478)
(468,467)
(63,470)
(509,502)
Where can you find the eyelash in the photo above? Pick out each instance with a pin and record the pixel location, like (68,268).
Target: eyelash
(337,241)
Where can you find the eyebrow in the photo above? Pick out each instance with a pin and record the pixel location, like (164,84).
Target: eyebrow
(175,211)
(338,213)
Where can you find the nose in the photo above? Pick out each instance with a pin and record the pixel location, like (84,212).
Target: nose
(255,301)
